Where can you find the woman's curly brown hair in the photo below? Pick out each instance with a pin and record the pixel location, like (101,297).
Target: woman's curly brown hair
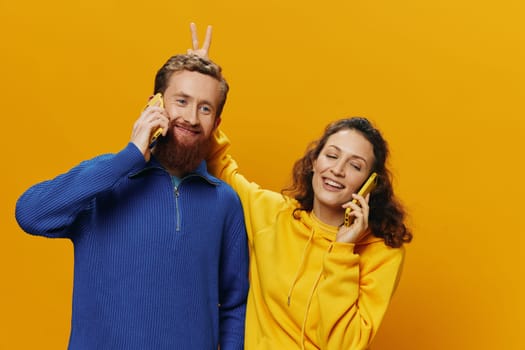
(386,213)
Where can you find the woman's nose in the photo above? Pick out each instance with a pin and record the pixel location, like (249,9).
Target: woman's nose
(339,169)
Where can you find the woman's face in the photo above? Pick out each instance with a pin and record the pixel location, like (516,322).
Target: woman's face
(341,168)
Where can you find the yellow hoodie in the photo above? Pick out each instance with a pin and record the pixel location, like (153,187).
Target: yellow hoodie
(306,290)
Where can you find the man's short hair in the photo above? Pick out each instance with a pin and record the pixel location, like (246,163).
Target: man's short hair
(192,63)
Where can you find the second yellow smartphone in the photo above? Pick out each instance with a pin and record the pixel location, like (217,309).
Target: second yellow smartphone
(152,102)
(367,187)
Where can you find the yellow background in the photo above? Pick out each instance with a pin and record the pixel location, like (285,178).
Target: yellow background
(444,81)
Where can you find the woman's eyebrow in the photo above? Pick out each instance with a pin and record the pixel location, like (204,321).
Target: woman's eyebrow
(352,155)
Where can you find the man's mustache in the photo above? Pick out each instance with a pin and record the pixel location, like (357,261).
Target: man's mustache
(184,125)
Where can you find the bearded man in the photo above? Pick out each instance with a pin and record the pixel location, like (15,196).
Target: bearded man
(161,259)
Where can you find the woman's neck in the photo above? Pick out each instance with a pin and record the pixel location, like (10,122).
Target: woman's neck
(329,216)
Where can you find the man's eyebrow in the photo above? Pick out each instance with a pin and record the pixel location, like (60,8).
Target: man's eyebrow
(181,94)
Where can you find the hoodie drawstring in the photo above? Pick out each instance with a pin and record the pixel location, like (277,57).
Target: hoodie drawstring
(303,258)
(314,286)
(308,305)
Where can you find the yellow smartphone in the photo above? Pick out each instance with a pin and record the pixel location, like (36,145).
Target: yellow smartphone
(367,187)
(152,102)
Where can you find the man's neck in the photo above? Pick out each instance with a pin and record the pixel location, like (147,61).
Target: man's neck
(175,172)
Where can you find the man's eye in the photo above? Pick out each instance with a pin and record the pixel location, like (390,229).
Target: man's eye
(205,109)
(181,101)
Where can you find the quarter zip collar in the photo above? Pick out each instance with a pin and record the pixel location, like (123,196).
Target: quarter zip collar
(201,171)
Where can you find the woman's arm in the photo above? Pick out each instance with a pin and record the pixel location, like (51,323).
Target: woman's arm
(260,206)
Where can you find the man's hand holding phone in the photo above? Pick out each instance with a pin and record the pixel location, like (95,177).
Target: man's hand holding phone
(152,123)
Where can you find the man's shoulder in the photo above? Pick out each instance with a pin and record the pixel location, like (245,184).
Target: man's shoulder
(223,186)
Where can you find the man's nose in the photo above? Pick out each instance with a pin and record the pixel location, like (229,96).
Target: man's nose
(190,115)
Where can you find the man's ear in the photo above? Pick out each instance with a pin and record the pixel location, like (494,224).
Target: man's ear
(217,122)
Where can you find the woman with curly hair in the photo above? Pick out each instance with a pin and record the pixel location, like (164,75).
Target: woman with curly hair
(314,282)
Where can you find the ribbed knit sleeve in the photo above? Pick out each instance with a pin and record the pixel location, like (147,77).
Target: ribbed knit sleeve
(50,207)
(233,286)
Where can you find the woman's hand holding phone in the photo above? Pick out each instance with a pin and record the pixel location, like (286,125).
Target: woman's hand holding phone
(359,220)
(356,213)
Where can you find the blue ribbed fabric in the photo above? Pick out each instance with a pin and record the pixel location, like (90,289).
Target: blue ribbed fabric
(155,267)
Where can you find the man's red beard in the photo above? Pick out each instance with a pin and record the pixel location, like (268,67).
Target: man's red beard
(181,156)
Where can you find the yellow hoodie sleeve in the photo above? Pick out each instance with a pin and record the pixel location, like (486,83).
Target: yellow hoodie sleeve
(354,293)
(260,206)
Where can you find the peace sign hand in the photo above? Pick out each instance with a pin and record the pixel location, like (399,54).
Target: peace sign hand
(203,51)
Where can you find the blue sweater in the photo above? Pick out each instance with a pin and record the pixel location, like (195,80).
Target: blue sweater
(155,267)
